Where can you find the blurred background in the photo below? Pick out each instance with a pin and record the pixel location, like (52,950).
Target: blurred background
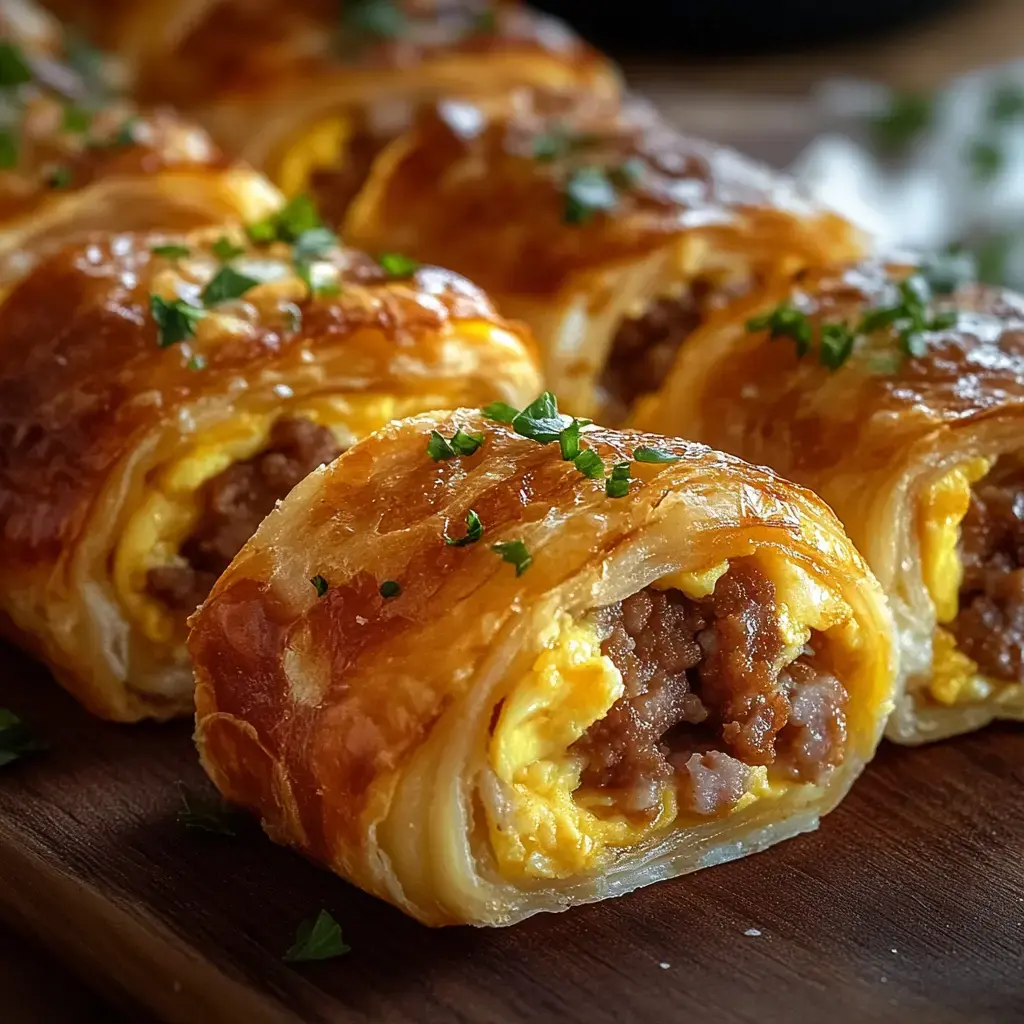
(906,115)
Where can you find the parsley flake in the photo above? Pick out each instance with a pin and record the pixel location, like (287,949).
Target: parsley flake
(590,464)
(500,412)
(589,191)
(485,22)
(125,135)
(171,251)
(440,447)
(15,738)
(474,531)
(175,320)
(616,484)
(205,814)
(515,553)
(224,249)
(76,119)
(298,215)
(58,176)
(785,321)
(225,285)
(390,588)
(627,173)
(909,116)
(1006,103)
(14,69)
(320,585)
(396,265)
(836,345)
(947,271)
(655,455)
(317,939)
(197,362)
(569,441)
(541,420)
(314,243)
(8,149)
(986,159)
(376,19)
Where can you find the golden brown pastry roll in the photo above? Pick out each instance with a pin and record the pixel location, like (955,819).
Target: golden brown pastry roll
(484,670)
(903,409)
(310,90)
(608,232)
(74,158)
(159,394)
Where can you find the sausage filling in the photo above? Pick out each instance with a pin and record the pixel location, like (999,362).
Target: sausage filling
(989,628)
(234,503)
(707,698)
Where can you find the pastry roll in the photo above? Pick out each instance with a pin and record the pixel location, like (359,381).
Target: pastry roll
(546,669)
(75,159)
(608,232)
(310,90)
(905,414)
(158,395)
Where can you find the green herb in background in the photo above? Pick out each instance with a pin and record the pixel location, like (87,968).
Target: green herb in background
(224,249)
(390,588)
(197,362)
(317,939)
(986,159)
(171,251)
(374,19)
(14,69)
(947,271)
(76,119)
(8,149)
(589,191)
(1006,104)
(58,176)
(205,814)
(992,256)
(15,738)
(909,116)
(397,265)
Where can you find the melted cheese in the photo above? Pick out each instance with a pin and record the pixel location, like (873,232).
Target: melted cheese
(544,826)
(955,678)
(171,507)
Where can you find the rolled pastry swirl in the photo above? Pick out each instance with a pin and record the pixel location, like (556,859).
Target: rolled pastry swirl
(481,687)
(77,158)
(914,440)
(159,393)
(310,90)
(602,227)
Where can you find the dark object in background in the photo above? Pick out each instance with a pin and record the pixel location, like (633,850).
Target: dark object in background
(705,27)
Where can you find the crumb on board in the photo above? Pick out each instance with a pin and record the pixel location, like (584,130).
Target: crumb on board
(753,932)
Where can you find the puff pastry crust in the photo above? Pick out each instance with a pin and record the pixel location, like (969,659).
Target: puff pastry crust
(310,90)
(81,159)
(113,430)
(918,451)
(595,222)
(420,723)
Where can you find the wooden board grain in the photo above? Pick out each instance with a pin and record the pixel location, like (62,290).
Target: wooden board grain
(907,905)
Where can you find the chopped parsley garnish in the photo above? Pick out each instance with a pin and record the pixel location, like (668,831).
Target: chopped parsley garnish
(1006,103)
(175,320)
(320,585)
(58,176)
(500,412)
(8,149)
(314,243)
(909,116)
(515,553)
(986,159)
(224,249)
(947,271)
(655,455)
(836,345)
(377,19)
(628,173)
(197,362)
(785,321)
(14,69)
(15,738)
(225,285)
(390,588)
(317,939)
(541,420)
(292,317)
(287,224)
(205,814)
(440,447)
(616,484)
(474,531)
(171,251)
(76,119)
(396,265)
(560,142)
(125,135)
(590,464)
(588,191)
(569,440)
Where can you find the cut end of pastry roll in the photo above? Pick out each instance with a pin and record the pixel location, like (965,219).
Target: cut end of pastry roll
(597,223)
(489,684)
(201,376)
(904,411)
(78,161)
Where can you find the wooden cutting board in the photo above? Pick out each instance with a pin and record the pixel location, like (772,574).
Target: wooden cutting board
(906,906)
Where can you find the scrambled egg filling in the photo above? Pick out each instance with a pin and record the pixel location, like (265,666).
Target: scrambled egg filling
(545,826)
(172,506)
(955,677)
